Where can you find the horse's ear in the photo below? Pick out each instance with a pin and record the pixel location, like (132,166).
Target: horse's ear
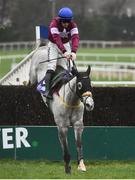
(88,70)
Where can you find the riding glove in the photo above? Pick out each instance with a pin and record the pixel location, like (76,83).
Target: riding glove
(73,56)
(67,55)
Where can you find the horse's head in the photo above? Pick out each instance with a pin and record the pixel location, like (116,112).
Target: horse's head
(84,88)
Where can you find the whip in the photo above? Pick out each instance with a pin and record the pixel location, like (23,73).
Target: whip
(48,60)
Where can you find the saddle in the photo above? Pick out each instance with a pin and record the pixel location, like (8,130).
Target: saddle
(60,77)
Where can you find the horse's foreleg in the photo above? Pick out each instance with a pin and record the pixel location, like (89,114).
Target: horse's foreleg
(62,131)
(78,130)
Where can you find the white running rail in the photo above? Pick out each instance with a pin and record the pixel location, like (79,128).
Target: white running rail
(20,74)
(101,56)
(113,83)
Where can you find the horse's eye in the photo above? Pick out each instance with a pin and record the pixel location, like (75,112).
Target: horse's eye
(79,85)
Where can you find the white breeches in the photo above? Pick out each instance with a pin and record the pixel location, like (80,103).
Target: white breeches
(54,52)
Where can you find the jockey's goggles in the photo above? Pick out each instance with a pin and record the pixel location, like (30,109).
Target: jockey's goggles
(65,20)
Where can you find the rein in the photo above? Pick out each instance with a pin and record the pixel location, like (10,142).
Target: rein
(74,66)
(86,94)
(74,92)
(65,103)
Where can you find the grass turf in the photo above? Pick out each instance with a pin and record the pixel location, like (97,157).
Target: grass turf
(5,65)
(16,169)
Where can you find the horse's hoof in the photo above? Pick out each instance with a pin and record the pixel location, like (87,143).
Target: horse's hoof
(68,169)
(81,166)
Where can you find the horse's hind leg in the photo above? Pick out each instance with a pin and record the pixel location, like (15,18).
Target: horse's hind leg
(78,130)
(62,131)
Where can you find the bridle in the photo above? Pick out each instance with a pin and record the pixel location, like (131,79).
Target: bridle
(83,97)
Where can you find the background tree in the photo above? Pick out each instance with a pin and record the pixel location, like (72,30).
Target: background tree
(5,13)
(114,7)
(96,21)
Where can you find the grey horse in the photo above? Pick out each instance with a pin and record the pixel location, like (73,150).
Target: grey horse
(67,105)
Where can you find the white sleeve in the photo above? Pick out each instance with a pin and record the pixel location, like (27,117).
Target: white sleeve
(54,30)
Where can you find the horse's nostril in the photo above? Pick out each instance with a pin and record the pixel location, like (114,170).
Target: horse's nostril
(87,105)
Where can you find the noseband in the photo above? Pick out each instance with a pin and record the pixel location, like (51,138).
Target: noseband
(88,94)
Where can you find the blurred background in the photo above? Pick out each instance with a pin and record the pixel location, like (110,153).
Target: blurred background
(107,34)
(102,20)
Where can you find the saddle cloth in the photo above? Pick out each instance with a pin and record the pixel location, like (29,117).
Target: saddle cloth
(60,77)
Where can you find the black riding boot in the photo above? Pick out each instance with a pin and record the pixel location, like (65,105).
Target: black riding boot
(48,78)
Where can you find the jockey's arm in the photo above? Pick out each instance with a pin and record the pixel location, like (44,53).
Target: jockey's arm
(75,45)
(59,43)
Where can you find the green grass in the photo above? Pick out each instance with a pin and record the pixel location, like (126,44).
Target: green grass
(81,50)
(108,50)
(5,65)
(14,52)
(55,170)
(106,78)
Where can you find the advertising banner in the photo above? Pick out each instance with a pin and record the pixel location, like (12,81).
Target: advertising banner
(41,142)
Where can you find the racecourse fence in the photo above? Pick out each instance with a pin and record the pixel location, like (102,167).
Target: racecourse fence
(101,70)
(105,56)
(22,105)
(10,46)
(4,46)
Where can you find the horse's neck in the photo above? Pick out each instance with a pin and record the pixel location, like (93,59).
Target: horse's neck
(68,92)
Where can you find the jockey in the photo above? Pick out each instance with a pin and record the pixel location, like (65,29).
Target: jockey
(62,30)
